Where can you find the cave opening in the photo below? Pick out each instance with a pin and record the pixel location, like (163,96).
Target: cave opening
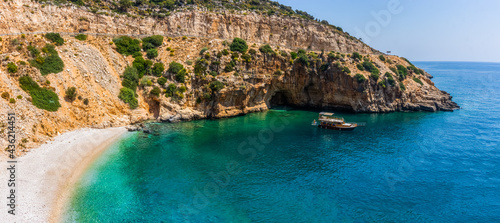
(280,99)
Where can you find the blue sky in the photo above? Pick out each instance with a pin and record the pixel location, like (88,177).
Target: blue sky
(420,30)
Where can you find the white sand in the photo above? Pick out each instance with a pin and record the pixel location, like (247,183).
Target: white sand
(46,175)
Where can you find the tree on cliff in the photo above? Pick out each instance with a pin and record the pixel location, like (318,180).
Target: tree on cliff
(239,45)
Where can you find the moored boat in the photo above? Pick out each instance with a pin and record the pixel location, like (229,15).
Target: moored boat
(327,120)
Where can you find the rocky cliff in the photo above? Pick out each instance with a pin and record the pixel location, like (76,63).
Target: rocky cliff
(336,78)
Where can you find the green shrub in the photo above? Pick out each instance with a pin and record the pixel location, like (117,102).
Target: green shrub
(86,101)
(175,67)
(202,51)
(390,79)
(49,64)
(137,54)
(128,96)
(152,42)
(55,38)
(40,97)
(303,59)
(407,61)
(19,97)
(415,69)
(402,71)
(370,67)
(402,86)
(333,56)
(346,70)
(182,89)
(126,45)
(360,67)
(152,53)
(11,67)
(189,62)
(71,93)
(225,52)
(239,45)
(170,90)
(12,101)
(360,78)
(418,81)
(356,55)
(382,58)
(374,76)
(216,86)
(155,91)
(158,69)
(130,78)
(81,37)
(162,81)
(213,73)
(143,66)
(5,95)
(200,67)
(283,53)
(266,49)
(33,51)
(293,55)
(382,83)
(246,57)
(181,76)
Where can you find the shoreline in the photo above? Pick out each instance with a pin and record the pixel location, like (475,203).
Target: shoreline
(47,175)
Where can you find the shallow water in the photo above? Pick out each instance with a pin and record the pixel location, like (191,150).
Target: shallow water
(276,167)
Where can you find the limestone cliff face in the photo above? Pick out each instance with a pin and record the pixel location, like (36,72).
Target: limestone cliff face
(26,16)
(94,68)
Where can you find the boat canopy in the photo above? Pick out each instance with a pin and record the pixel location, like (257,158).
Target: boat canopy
(326,113)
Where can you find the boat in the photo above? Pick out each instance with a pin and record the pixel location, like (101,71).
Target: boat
(327,120)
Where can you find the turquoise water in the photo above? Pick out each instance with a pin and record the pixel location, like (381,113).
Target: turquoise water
(276,167)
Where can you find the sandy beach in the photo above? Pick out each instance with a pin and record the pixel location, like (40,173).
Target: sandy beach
(46,175)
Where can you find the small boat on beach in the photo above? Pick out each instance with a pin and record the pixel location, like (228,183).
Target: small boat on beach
(326,120)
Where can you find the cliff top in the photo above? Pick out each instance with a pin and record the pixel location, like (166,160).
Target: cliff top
(164,8)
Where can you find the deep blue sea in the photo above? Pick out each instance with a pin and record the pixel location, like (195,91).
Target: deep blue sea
(275,167)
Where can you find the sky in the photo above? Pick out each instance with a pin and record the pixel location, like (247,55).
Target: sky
(420,30)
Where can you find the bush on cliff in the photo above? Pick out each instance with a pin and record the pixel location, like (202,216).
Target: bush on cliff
(130,78)
(390,79)
(360,78)
(158,69)
(216,86)
(49,64)
(370,67)
(418,81)
(239,45)
(55,38)
(162,81)
(175,67)
(71,93)
(128,96)
(402,71)
(40,97)
(356,55)
(152,53)
(143,66)
(81,37)
(155,91)
(11,67)
(126,45)
(151,42)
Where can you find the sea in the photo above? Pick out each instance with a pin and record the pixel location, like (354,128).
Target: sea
(275,166)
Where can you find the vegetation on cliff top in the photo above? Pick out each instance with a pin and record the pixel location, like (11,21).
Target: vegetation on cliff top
(163,8)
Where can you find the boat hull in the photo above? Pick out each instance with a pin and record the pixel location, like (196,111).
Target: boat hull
(337,128)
